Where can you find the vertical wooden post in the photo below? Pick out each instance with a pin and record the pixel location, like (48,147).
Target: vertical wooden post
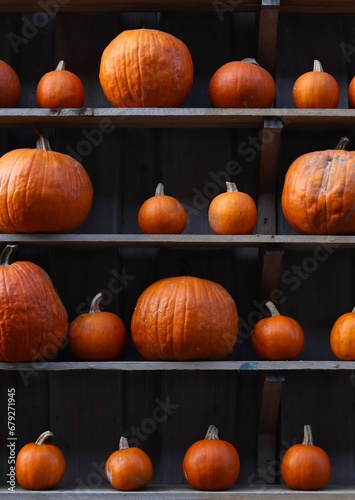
(268,15)
(270,396)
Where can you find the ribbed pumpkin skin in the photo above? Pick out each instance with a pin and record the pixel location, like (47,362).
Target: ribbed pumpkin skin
(60,89)
(315,90)
(306,467)
(319,191)
(185,318)
(146,68)
(42,191)
(33,319)
(212,465)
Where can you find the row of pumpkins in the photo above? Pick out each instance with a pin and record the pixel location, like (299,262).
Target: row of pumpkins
(151,68)
(178,318)
(209,464)
(44,191)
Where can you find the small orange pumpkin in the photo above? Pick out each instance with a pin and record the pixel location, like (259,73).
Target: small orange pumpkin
(305,466)
(211,463)
(42,191)
(146,68)
(10,86)
(184,318)
(319,191)
(97,335)
(277,337)
(233,212)
(60,89)
(242,84)
(40,465)
(342,337)
(33,319)
(128,469)
(351,93)
(316,89)
(162,214)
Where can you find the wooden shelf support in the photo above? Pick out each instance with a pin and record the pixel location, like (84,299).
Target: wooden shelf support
(270,397)
(268,16)
(270,138)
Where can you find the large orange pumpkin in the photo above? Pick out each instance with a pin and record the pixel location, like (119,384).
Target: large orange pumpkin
(242,84)
(146,68)
(211,463)
(306,466)
(60,89)
(342,337)
(316,89)
(10,86)
(42,191)
(33,319)
(319,191)
(128,469)
(185,318)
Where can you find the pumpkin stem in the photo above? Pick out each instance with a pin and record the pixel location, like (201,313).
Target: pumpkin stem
(344,141)
(94,307)
(353,310)
(123,443)
(60,66)
(317,66)
(45,435)
(308,438)
(43,143)
(212,432)
(272,308)
(159,190)
(251,60)
(7,254)
(231,187)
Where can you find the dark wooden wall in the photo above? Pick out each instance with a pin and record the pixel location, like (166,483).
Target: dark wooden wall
(88,411)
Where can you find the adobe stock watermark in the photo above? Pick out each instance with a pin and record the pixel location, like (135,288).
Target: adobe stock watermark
(291,280)
(31,26)
(249,150)
(116,284)
(135,435)
(221,7)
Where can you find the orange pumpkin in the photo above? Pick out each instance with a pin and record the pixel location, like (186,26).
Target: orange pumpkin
(233,212)
(351,93)
(33,319)
(277,337)
(162,214)
(128,469)
(60,89)
(342,337)
(40,465)
(97,335)
(316,89)
(146,68)
(319,191)
(184,317)
(211,463)
(42,191)
(305,466)
(242,84)
(10,86)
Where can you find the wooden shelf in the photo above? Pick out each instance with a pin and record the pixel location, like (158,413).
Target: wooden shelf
(179,365)
(187,493)
(318,6)
(177,240)
(176,117)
